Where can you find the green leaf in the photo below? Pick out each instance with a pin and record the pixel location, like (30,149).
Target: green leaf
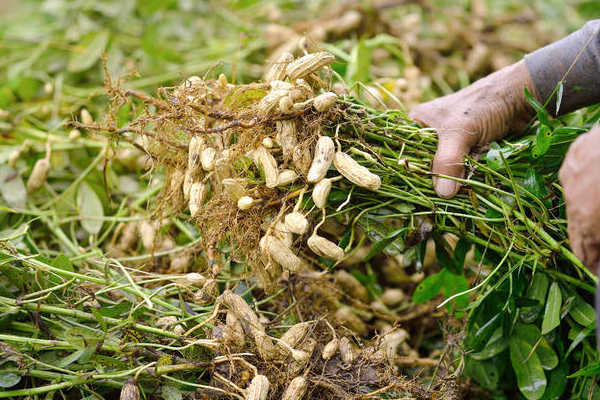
(535,184)
(428,288)
(7,97)
(99,318)
(70,359)
(404,207)
(547,355)
(369,281)
(243,98)
(542,113)
(377,231)
(359,65)
(113,311)
(583,313)
(525,302)
(494,157)
(8,379)
(582,333)
(26,87)
(528,369)
(89,205)
(559,95)
(552,313)
(7,317)
(452,285)
(588,370)
(164,360)
(567,305)
(87,51)
(557,383)
(82,338)
(170,393)
(532,335)
(537,291)
(110,362)
(543,139)
(590,390)
(588,9)
(486,373)
(496,345)
(483,334)
(385,242)
(460,251)
(345,240)
(418,252)
(156,45)
(12,188)
(340,195)
(61,262)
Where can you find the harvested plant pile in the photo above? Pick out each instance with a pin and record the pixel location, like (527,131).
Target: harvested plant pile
(272,171)
(94,296)
(286,179)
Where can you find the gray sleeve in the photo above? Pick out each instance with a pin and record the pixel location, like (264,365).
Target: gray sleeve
(578,57)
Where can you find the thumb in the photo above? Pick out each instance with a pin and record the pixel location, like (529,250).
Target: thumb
(449,160)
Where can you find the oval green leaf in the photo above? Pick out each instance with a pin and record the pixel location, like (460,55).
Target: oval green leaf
(90,208)
(557,383)
(484,372)
(82,338)
(385,242)
(170,393)
(536,185)
(528,369)
(532,335)
(8,379)
(483,334)
(552,313)
(543,139)
(583,313)
(87,51)
(496,345)
(12,188)
(428,288)
(537,291)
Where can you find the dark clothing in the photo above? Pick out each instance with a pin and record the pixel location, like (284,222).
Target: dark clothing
(579,52)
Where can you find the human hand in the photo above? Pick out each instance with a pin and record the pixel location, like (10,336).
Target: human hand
(485,111)
(581,183)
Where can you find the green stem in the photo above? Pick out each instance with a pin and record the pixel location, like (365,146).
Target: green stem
(86,278)
(81,315)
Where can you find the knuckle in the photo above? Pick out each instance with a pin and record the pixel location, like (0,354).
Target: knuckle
(445,158)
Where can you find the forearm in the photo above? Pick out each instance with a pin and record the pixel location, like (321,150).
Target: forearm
(576,59)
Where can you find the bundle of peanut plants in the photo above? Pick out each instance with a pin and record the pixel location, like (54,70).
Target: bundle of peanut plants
(265,168)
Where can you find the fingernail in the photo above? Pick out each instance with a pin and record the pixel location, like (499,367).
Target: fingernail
(446,188)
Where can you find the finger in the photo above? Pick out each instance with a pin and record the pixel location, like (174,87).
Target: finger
(428,114)
(585,245)
(419,115)
(449,160)
(575,238)
(591,248)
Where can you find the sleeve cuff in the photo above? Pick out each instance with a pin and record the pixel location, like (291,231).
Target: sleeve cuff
(576,58)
